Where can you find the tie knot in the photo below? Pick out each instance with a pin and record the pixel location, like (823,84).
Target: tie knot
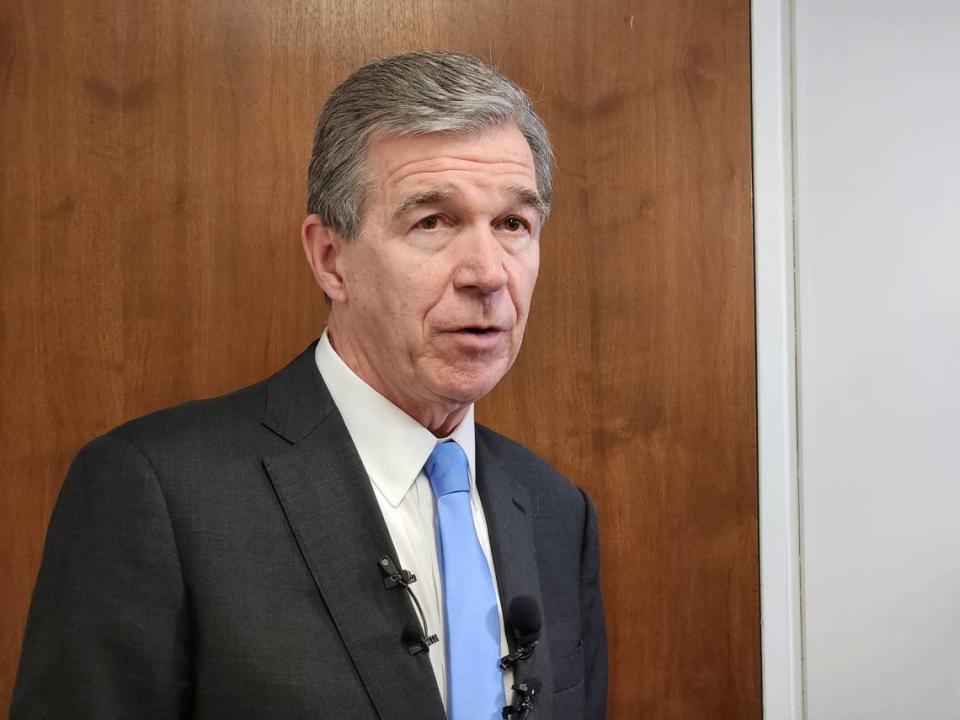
(446,469)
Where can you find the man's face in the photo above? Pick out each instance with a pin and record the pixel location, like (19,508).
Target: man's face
(438,286)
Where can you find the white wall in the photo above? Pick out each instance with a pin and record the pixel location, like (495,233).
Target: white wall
(877,252)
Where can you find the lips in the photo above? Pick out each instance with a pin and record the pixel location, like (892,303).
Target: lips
(477,337)
(479,329)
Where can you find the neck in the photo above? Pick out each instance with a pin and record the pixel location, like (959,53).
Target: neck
(439,417)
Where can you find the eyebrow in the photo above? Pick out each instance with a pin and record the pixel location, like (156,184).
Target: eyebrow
(523,195)
(427,197)
(526,196)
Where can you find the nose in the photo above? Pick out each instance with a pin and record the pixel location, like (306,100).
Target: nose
(481,265)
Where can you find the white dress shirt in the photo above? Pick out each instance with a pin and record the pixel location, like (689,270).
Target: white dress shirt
(393,448)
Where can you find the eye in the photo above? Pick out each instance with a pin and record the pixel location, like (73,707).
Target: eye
(431,222)
(514,224)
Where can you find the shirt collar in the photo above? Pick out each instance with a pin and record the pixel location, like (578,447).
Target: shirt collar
(392,445)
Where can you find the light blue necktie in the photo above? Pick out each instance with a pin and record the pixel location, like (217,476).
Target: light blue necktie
(475,683)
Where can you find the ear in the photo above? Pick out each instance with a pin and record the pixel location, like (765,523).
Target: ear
(323,247)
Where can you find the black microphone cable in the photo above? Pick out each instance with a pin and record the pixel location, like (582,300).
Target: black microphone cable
(394,577)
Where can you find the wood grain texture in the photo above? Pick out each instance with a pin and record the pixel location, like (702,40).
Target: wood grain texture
(151,191)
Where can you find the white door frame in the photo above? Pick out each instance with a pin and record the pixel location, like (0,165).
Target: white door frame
(773,170)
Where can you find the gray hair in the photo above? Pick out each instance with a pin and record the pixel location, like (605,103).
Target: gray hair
(412,94)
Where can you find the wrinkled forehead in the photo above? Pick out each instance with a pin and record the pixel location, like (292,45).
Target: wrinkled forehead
(516,196)
(437,162)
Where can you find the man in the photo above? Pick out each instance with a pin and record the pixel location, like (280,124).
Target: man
(250,556)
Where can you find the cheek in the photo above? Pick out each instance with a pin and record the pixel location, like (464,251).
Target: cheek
(377,285)
(430,289)
(410,306)
(526,280)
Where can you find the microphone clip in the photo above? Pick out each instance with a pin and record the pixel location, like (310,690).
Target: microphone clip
(521,653)
(523,704)
(394,576)
(418,642)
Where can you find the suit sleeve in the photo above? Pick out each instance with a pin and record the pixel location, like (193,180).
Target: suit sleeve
(106,634)
(593,626)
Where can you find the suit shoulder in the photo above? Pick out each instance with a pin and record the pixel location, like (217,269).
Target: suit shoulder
(514,453)
(195,421)
(532,470)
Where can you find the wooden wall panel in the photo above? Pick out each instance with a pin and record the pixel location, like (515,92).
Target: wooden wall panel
(151,190)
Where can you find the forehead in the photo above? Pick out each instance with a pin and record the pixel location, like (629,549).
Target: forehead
(498,157)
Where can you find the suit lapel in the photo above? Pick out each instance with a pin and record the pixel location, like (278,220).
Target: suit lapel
(509,512)
(329,503)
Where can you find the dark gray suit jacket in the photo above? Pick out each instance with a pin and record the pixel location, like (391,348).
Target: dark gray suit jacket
(219,560)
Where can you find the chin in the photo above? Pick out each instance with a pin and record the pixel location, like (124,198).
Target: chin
(467,389)
(463,380)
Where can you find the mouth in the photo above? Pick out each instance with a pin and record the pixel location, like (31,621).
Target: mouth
(478,337)
(480,330)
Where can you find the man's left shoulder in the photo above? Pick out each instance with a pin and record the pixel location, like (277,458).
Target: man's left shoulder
(553,491)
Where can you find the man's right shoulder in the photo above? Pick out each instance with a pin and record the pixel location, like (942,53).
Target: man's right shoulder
(226,423)
(198,418)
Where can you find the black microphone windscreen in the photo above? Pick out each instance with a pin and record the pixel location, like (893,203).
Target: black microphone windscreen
(524,614)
